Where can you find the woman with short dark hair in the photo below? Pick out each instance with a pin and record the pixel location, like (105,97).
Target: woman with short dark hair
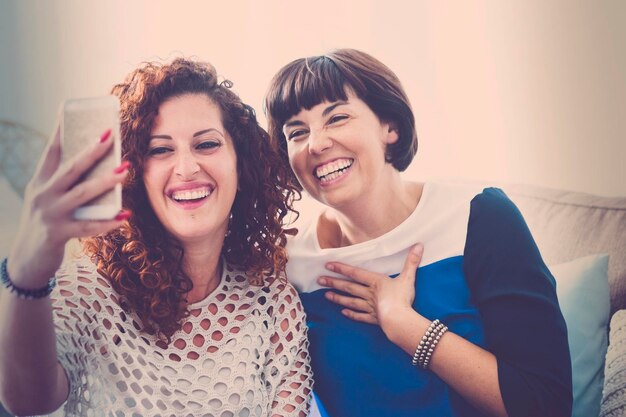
(478,331)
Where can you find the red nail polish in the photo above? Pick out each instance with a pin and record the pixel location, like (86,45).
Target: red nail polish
(123,215)
(123,167)
(105,136)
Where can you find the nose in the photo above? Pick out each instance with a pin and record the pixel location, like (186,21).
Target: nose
(186,165)
(319,141)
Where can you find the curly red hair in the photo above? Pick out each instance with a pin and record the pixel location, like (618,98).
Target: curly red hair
(141,260)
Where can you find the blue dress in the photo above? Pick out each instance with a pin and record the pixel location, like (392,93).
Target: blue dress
(481,274)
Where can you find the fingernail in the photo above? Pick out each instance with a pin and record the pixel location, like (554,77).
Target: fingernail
(123,167)
(105,136)
(123,215)
(330,267)
(321,281)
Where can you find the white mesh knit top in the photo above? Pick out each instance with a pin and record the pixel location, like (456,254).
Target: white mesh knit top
(241,352)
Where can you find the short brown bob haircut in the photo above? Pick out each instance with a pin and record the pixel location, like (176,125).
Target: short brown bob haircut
(307,82)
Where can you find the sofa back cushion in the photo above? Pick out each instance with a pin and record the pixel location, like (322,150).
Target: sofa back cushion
(570,225)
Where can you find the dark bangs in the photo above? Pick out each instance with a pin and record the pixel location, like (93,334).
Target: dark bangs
(303,84)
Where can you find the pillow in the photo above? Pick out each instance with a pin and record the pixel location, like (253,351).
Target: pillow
(582,287)
(10,207)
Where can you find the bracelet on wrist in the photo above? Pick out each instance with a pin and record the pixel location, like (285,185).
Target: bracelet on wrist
(427,344)
(24,293)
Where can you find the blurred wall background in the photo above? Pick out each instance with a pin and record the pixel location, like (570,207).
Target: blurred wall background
(517,91)
(527,91)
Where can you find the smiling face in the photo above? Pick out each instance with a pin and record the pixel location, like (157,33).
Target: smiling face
(190,170)
(337,151)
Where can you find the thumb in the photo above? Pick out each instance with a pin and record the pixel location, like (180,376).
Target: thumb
(413,259)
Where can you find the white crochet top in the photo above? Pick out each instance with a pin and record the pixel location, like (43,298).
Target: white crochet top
(241,352)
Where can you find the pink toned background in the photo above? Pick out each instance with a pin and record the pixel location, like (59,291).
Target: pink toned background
(527,92)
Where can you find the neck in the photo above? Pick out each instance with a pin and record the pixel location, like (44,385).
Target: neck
(371,217)
(202,264)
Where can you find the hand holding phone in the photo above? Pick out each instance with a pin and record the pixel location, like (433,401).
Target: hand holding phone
(58,194)
(84,120)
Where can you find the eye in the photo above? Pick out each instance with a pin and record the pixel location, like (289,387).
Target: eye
(298,133)
(208,145)
(337,118)
(159,150)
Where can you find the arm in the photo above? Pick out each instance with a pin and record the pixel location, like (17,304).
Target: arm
(31,380)
(516,296)
(290,356)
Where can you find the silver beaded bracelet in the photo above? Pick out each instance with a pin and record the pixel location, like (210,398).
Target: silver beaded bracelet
(427,344)
(23,292)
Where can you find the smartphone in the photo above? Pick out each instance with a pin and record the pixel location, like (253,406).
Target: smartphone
(82,122)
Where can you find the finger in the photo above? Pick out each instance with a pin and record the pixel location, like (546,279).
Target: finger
(51,157)
(87,228)
(359,275)
(362,317)
(86,191)
(412,261)
(352,303)
(353,288)
(71,171)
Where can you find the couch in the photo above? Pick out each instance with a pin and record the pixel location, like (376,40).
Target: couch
(566,225)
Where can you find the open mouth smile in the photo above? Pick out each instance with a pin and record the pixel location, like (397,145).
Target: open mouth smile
(332,170)
(191,198)
(190,195)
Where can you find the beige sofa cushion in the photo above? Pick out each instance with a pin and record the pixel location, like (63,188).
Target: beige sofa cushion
(570,225)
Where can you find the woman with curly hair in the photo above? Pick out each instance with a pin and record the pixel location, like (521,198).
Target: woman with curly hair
(179,305)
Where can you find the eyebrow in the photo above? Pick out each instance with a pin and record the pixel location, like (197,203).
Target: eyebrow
(325,113)
(201,132)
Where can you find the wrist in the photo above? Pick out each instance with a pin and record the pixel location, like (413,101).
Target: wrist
(32,268)
(21,291)
(396,323)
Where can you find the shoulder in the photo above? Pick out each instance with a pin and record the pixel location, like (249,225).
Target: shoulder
(80,283)
(494,217)
(448,200)
(272,290)
(83,302)
(494,202)
(305,241)
(281,291)
(276,298)
(499,243)
(285,306)
(80,272)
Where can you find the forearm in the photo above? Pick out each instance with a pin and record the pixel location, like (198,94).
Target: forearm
(468,369)
(31,381)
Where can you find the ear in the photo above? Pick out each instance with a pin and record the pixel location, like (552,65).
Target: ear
(392,132)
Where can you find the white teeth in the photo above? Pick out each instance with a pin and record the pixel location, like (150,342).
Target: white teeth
(333,169)
(190,194)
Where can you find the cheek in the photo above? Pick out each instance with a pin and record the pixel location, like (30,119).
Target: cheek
(297,159)
(150,193)
(150,181)
(233,170)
